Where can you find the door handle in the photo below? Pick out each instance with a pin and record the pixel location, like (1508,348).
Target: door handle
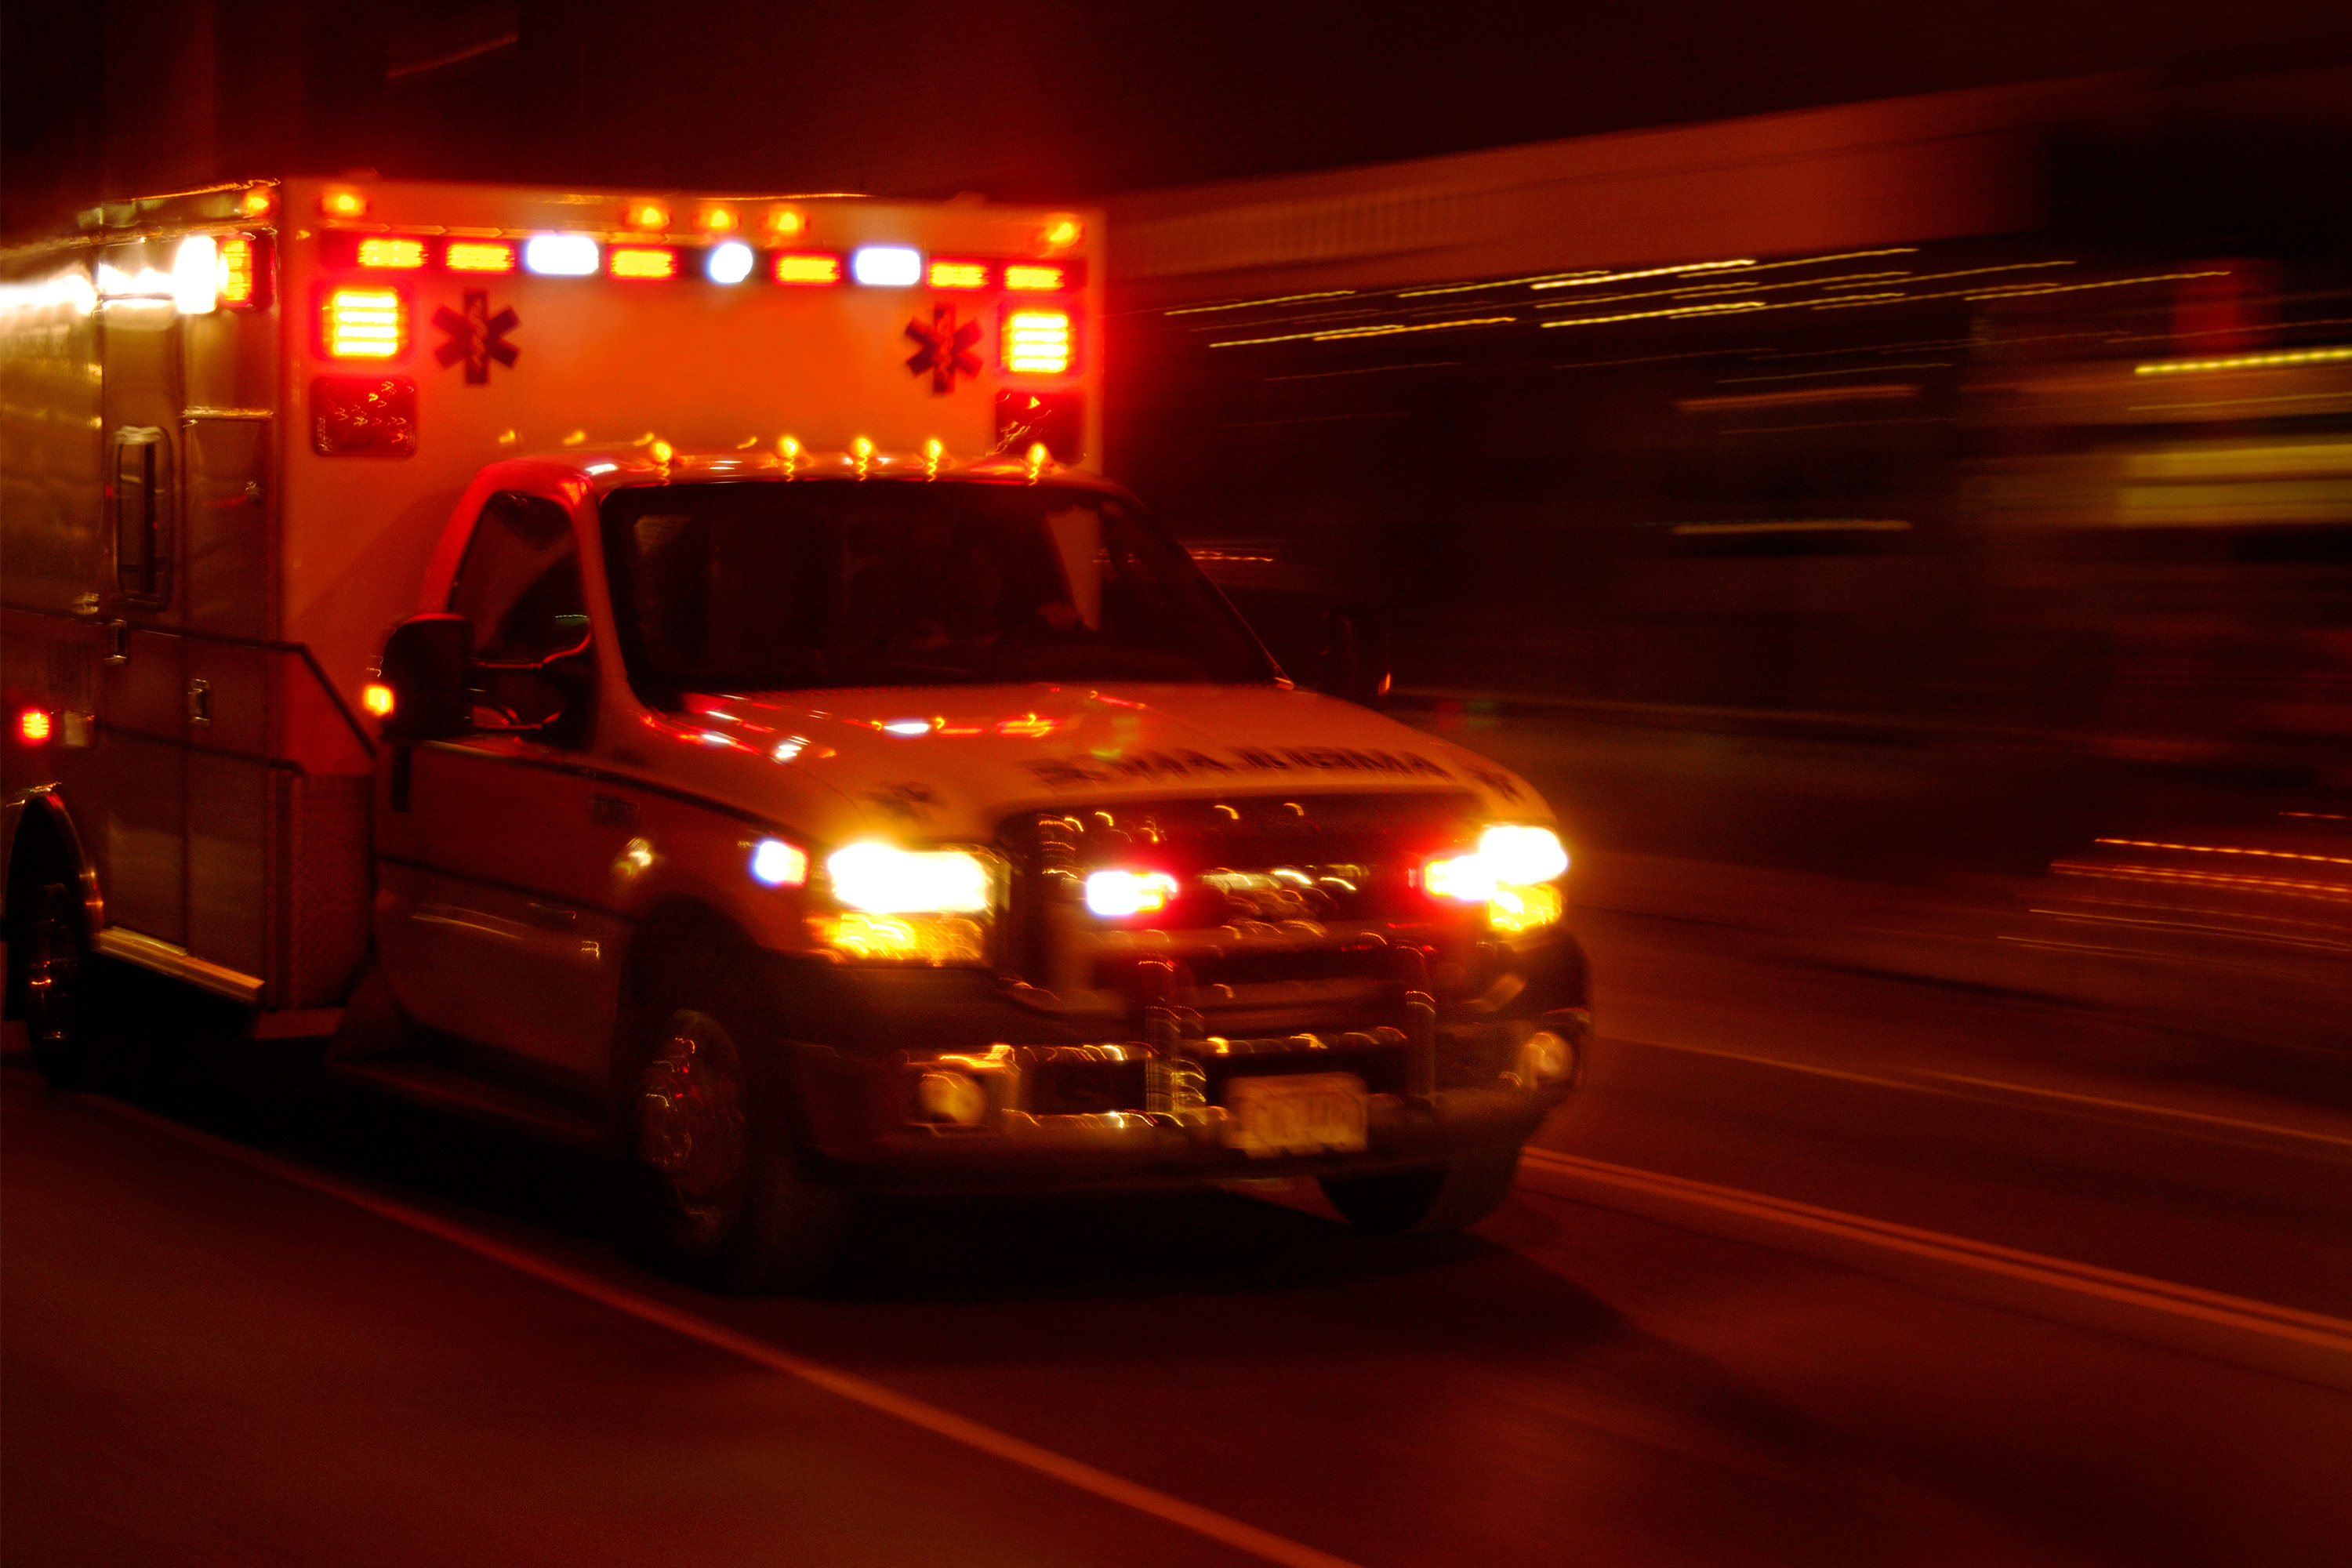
(200,703)
(118,644)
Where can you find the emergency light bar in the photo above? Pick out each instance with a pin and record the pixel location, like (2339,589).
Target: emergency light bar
(887,266)
(560,254)
(402,254)
(807,267)
(478,256)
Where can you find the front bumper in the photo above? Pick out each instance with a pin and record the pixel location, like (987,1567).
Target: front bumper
(999,1096)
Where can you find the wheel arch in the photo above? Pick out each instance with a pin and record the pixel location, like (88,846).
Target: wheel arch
(37,824)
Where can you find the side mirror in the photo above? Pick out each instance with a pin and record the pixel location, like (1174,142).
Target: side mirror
(424,664)
(1355,657)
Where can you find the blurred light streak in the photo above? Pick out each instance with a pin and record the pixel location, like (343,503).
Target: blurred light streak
(1825,525)
(1833,424)
(1245,304)
(1652,359)
(2329,893)
(2246,362)
(1646,272)
(1727,309)
(1369,369)
(1541,278)
(1386,330)
(2236,402)
(2226,849)
(1888,392)
(1850,370)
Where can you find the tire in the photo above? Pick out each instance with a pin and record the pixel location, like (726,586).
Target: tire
(50,976)
(1440,1198)
(716,1190)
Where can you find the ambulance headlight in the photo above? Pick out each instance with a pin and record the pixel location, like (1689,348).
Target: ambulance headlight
(884,879)
(1512,872)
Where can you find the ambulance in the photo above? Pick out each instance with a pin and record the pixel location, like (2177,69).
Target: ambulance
(665,673)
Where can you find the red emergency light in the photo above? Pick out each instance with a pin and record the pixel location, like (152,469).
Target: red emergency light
(643,261)
(400,254)
(33,727)
(478,256)
(362,323)
(1038,341)
(959,274)
(807,268)
(240,274)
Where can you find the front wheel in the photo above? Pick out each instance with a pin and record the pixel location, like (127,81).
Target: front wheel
(718,1191)
(1452,1196)
(49,953)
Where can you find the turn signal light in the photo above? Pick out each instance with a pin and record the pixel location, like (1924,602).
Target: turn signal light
(365,324)
(1037,342)
(400,254)
(376,698)
(33,726)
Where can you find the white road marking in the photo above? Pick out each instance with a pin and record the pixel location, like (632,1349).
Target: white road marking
(2288,1323)
(1086,1478)
(1912,1083)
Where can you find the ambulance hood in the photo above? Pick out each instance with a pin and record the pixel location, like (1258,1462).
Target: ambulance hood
(947,763)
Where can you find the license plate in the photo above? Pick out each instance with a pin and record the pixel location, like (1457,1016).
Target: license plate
(1301,1113)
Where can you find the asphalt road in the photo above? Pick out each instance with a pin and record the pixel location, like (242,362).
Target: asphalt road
(1823,1268)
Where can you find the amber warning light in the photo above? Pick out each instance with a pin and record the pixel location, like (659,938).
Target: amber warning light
(1037,342)
(33,726)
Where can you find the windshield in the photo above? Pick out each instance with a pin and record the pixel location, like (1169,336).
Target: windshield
(769,586)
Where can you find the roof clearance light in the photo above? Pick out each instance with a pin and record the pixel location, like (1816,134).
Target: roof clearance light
(715,220)
(777,864)
(728,263)
(237,284)
(377,698)
(365,324)
(959,274)
(786,221)
(478,256)
(342,204)
(195,275)
(644,261)
(647,216)
(804,267)
(1037,342)
(887,266)
(560,254)
(1115,895)
(256,202)
(1061,232)
(1034,277)
(401,254)
(33,727)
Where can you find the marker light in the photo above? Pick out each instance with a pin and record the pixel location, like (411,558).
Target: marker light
(908,727)
(195,275)
(478,256)
(365,324)
(401,254)
(1037,342)
(644,261)
(342,204)
(560,255)
(239,288)
(1034,277)
(959,274)
(810,268)
(786,221)
(728,263)
(647,216)
(1061,232)
(376,698)
(715,220)
(256,202)
(33,727)
(883,879)
(1115,895)
(777,864)
(887,266)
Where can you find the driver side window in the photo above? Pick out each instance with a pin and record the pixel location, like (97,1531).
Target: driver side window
(519,589)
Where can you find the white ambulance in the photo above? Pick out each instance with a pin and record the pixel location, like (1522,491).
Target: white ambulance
(659,671)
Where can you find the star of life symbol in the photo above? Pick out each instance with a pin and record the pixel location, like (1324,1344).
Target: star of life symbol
(477,337)
(946,348)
